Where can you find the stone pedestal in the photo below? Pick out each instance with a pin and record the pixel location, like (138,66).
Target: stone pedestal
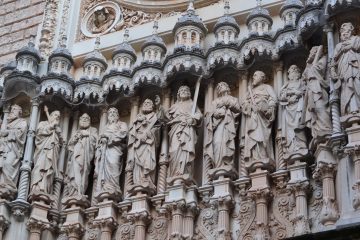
(299,184)
(325,171)
(74,223)
(140,214)
(260,192)
(4,217)
(351,122)
(38,220)
(106,219)
(181,202)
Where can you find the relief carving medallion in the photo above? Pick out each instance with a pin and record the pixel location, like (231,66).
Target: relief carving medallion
(101,19)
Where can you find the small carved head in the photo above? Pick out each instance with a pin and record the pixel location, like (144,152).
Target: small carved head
(222,89)
(147,106)
(294,73)
(101,15)
(346,31)
(55,117)
(113,115)
(15,112)
(157,100)
(258,78)
(84,121)
(312,54)
(183,93)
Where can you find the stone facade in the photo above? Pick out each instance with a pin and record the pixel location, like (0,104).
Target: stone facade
(180,120)
(18,21)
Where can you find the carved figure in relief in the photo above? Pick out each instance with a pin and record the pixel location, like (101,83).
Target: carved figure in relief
(109,152)
(144,137)
(221,127)
(317,112)
(81,151)
(12,140)
(102,20)
(292,100)
(259,109)
(182,135)
(48,142)
(345,69)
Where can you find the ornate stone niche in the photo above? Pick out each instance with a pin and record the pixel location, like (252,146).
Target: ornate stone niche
(101,19)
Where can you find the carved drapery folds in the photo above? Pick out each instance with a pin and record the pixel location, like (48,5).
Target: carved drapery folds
(174,173)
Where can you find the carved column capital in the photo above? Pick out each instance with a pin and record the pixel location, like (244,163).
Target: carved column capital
(73,231)
(328,27)
(324,170)
(279,66)
(36,227)
(260,195)
(106,224)
(4,223)
(140,218)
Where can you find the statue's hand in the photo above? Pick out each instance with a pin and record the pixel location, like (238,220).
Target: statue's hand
(4,133)
(103,140)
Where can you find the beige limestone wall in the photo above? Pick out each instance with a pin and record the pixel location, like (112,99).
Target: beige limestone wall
(19,19)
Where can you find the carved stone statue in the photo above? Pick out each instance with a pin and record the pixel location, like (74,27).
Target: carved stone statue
(108,161)
(259,108)
(317,112)
(12,140)
(102,20)
(221,126)
(48,141)
(81,148)
(182,135)
(144,138)
(292,100)
(345,69)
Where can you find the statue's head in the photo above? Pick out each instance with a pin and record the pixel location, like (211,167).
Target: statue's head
(101,15)
(84,121)
(222,89)
(294,73)
(258,78)
(312,54)
(15,112)
(112,115)
(346,31)
(147,106)
(55,117)
(157,100)
(183,93)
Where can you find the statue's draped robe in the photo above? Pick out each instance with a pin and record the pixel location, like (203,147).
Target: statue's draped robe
(182,137)
(46,156)
(317,115)
(348,70)
(11,151)
(221,132)
(108,158)
(144,136)
(292,99)
(81,153)
(259,111)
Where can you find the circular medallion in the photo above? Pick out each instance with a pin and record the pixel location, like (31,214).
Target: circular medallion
(101,19)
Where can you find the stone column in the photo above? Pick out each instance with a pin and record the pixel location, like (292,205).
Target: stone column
(280,161)
(334,94)
(74,231)
(4,223)
(299,184)
(242,94)
(35,228)
(164,151)
(20,204)
(177,214)
(224,206)
(59,179)
(209,97)
(107,226)
(6,114)
(189,221)
(355,153)
(103,120)
(140,221)
(129,171)
(325,171)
